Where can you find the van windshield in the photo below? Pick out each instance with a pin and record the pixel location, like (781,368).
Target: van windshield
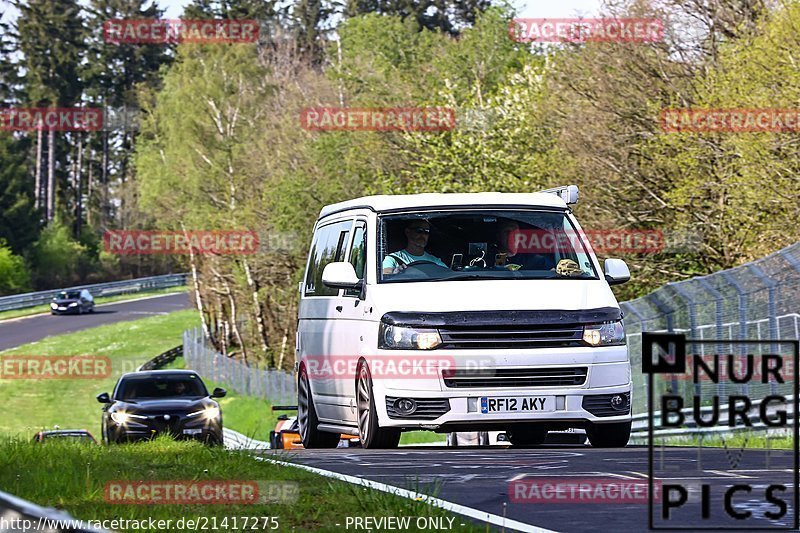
(477,244)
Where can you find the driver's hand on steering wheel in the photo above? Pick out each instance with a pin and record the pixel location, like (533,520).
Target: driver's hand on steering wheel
(395,270)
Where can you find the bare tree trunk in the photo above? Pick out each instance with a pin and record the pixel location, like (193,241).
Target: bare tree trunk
(253,286)
(79,188)
(51,174)
(38,183)
(283,346)
(197,299)
(89,185)
(233,314)
(104,207)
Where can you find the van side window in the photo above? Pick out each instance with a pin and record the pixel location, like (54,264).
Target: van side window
(358,254)
(330,244)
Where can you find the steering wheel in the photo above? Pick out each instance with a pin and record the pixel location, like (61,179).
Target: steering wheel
(423,262)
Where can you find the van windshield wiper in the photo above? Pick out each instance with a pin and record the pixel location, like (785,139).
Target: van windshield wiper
(464,276)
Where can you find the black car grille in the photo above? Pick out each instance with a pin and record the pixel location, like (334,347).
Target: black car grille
(427,409)
(515,377)
(519,336)
(600,404)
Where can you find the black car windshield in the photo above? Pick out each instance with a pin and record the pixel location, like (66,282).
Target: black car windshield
(68,295)
(470,244)
(149,387)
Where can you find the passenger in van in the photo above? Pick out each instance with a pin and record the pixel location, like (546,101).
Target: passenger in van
(512,259)
(417,233)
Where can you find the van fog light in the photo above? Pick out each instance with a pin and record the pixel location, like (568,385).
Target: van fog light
(405,406)
(619,402)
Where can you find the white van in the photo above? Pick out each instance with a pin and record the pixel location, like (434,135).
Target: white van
(459,312)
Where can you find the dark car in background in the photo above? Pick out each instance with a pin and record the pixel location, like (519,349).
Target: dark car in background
(161,402)
(72,301)
(74,435)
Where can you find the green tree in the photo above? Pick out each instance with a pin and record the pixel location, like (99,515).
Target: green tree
(57,258)
(14,275)
(437,15)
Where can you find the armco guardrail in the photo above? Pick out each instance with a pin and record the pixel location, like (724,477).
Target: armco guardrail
(17,514)
(128,286)
(275,386)
(164,359)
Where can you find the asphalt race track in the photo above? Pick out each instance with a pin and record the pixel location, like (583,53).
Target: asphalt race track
(17,331)
(480,478)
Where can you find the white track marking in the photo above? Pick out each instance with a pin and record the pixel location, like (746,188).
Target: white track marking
(236,440)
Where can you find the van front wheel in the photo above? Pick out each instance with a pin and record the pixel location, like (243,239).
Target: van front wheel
(609,435)
(370,433)
(307,418)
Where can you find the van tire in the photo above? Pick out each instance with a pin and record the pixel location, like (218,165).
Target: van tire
(372,436)
(609,435)
(527,435)
(307,418)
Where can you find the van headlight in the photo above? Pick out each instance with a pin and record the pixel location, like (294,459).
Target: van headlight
(53,305)
(401,338)
(608,334)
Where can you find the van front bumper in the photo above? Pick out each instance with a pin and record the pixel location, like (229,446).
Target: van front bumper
(441,403)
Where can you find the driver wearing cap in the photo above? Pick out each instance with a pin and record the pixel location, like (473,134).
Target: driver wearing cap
(417,234)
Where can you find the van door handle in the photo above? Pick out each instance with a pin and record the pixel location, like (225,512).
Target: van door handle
(339,308)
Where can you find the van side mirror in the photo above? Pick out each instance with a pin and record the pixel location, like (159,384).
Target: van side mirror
(341,275)
(219,393)
(103,398)
(616,271)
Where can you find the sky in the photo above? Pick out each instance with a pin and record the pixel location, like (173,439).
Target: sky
(527,8)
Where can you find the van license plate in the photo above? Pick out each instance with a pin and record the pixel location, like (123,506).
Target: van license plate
(192,431)
(517,404)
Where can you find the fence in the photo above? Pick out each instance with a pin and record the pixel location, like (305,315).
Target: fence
(275,386)
(756,301)
(32,299)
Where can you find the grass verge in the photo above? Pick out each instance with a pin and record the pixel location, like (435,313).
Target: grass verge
(738,440)
(28,311)
(31,405)
(73,477)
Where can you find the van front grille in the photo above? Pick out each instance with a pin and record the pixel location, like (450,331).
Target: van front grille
(521,336)
(514,377)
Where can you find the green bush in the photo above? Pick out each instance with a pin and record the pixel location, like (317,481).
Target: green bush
(14,275)
(57,257)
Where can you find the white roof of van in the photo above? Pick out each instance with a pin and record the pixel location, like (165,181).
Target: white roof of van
(386,202)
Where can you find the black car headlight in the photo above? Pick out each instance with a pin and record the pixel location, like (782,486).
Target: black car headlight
(403,338)
(207,413)
(606,334)
(122,418)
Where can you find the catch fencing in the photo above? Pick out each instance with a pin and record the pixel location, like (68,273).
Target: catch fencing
(128,286)
(756,301)
(275,386)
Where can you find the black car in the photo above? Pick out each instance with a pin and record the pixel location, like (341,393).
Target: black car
(168,402)
(72,301)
